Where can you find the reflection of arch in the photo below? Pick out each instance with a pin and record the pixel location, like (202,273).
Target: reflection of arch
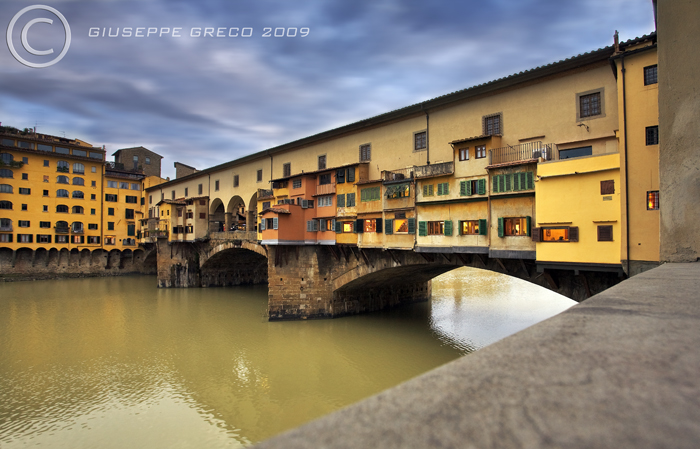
(235,214)
(217,216)
(252,220)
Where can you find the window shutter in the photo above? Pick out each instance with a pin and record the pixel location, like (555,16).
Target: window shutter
(439,192)
(508,183)
(262,224)
(536,234)
(275,222)
(481,186)
(363,195)
(530,180)
(340,176)
(379,225)
(425,190)
(322,222)
(411,225)
(528,223)
(315,223)
(338,227)
(422,228)
(446,188)
(501,227)
(308,226)
(351,174)
(573,233)
(304,204)
(341,200)
(605,234)
(517,185)
(359,226)
(483,230)
(463,188)
(389,227)
(448,227)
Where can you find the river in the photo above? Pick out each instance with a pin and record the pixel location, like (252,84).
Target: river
(116,362)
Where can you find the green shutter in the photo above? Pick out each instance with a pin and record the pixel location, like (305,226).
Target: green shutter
(439,192)
(363,195)
(262,224)
(469,188)
(379,225)
(501,227)
(463,188)
(481,186)
(338,227)
(422,228)
(528,223)
(446,189)
(131,230)
(341,200)
(411,225)
(483,230)
(351,200)
(359,226)
(388,227)
(508,183)
(448,227)
(497,183)
(516,182)
(530,180)
(351,174)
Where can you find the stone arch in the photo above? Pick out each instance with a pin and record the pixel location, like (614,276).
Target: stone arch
(24,258)
(126,260)
(150,262)
(99,258)
(233,263)
(53,260)
(236,214)
(217,216)
(41,258)
(74,257)
(6,256)
(63,257)
(85,257)
(113,259)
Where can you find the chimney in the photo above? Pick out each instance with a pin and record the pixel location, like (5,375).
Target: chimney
(616,39)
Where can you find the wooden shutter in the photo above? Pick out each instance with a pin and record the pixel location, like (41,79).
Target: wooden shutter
(508,183)
(483,227)
(607,187)
(359,226)
(448,227)
(363,195)
(340,176)
(411,225)
(605,233)
(495,187)
(481,186)
(379,225)
(262,224)
(340,199)
(516,182)
(338,227)
(275,222)
(351,174)
(446,188)
(536,234)
(530,178)
(528,223)
(322,222)
(463,188)
(439,192)
(501,227)
(573,233)
(422,228)
(315,225)
(309,226)
(389,226)
(425,190)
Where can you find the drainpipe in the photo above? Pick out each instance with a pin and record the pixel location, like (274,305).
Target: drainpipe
(627,192)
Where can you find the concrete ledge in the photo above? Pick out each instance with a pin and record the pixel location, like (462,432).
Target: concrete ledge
(619,370)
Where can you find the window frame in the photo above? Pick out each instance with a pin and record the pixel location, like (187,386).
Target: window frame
(653,200)
(464,154)
(420,138)
(652,135)
(488,121)
(650,80)
(601,95)
(365,152)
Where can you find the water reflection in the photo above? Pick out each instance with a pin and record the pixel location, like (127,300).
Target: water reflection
(116,362)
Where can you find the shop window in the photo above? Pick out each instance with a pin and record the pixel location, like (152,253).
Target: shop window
(472,227)
(508,227)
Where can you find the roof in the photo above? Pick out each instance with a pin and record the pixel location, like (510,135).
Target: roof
(471,139)
(137,148)
(276,210)
(177,202)
(184,165)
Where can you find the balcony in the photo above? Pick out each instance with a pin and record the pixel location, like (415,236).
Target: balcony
(525,152)
(118,166)
(77,231)
(62,230)
(421,171)
(265,193)
(156,233)
(7,228)
(325,189)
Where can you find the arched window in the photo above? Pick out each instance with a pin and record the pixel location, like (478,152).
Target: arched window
(61,193)
(5,224)
(78,168)
(6,158)
(5,205)
(78,182)
(61,225)
(77,210)
(76,227)
(62,179)
(5,188)
(78,194)
(62,208)
(62,166)
(6,173)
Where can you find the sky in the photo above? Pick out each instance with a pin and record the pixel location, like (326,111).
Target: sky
(206,82)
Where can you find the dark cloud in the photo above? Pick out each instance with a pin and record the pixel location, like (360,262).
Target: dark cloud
(204,101)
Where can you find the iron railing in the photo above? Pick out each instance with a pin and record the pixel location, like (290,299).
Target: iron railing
(420,171)
(523,152)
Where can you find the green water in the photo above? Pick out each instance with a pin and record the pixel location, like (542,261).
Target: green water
(116,362)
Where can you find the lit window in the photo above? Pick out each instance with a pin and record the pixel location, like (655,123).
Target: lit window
(519,226)
(653,200)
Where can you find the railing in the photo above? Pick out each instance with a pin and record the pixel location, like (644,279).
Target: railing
(523,152)
(63,169)
(12,164)
(6,228)
(443,168)
(61,230)
(325,189)
(398,175)
(77,231)
(234,235)
(156,233)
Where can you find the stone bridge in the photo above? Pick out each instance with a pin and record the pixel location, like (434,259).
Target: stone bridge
(307,282)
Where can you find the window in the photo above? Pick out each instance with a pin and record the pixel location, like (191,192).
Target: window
(492,124)
(62,208)
(46,163)
(45,208)
(135,186)
(397,191)
(93,211)
(93,240)
(472,227)
(24,207)
(62,193)
(6,158)
(44,224)
(25,238)
(25,191)
(112,184)
(475,187)
(129,214)
(111,198)
(148,160)
(188,215)
(235,181)
(259,176)
(607,187)
(428,189)
(555,234)
(324,179)
(62,179)
(172,195)
(76,227)
(652,135)
(296,184)
(23,223)
(365,152)
(110,211)
(131,229)
(8,142)
(327,225)
(202,215)
(42,238)
(322,162)
(312,226)
(653,200)
(650,75)
(77,210)
(93,196)
(443,188)
(77,194)
(5,188)
(325,201)
(340,200)
(186,192)
(79,168)
(590,104)
(46,178)
(124,185)
(110,240)
(131,199)
(350,174)
(216,185)
(575,152)
(80,153)
(420,140)
(25,176)
(62,166)
(61,239)
(464,154)
(199,189)
(434,227)
(480,151)
(370,194)
(110,226)
(77,239)
(513,182)
(92,226)
(78,181)
(93,168)
(400,226)
(25,160)
(347,226)
(150,199)
(514,226)
(605,233)
(372,225)
(5,238)
(340,176)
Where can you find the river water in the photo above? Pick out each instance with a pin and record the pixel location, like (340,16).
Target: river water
(116,362)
